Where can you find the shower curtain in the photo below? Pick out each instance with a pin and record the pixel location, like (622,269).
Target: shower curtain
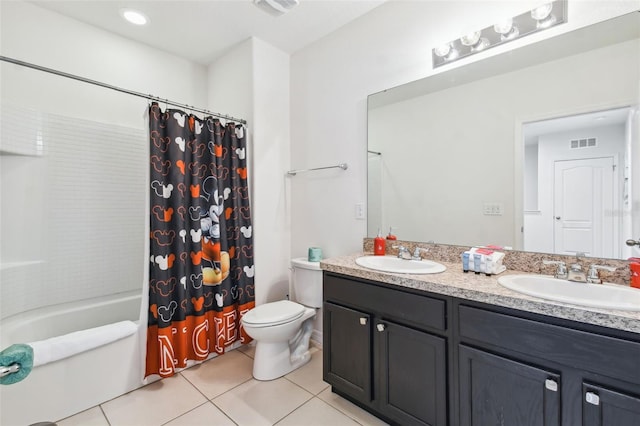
(201,239)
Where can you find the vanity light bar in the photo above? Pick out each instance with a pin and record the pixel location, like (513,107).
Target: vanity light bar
(539,19)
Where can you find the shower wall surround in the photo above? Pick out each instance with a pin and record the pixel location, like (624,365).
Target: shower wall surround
(73,209)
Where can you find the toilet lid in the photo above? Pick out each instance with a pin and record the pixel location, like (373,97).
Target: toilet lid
(274,313)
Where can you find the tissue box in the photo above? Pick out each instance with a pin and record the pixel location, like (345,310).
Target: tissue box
(483,260)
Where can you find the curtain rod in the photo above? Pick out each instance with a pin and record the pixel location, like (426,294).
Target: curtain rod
(119,89)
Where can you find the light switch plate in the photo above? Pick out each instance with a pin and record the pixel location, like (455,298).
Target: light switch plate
(493,209)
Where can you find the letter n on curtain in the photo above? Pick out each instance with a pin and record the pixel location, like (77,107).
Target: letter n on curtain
(201,253)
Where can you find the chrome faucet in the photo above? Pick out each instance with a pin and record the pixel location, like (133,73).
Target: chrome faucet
(561,271)
(403,252)
(593,276)
(575,270)
(416,253)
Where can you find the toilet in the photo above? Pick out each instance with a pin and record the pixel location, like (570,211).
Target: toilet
(282,329)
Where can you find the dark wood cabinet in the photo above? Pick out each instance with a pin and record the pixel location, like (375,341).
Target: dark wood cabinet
(347,351)
(412,375)
(379,359)
(417,358)
(541,367)
(606,407)
(499,391)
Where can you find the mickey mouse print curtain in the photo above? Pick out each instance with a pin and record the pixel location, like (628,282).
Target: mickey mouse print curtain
(201,252)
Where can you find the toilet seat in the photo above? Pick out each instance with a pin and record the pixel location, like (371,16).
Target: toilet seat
(273,313)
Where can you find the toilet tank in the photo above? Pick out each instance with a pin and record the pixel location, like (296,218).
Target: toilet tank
(307,282)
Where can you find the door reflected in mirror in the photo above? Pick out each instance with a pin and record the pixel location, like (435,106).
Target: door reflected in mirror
(576,183)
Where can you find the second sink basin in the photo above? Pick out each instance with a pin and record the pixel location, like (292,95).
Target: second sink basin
(400,266)
(608,296)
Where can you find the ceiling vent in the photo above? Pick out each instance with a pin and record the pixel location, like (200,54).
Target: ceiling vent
(583,143)
(276,7)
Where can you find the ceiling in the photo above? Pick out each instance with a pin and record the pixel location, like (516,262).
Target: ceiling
(609,117)
(217,24)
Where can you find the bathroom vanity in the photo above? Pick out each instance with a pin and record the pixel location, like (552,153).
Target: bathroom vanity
(458,349)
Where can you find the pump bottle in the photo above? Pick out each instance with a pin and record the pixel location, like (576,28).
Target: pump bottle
(379,245)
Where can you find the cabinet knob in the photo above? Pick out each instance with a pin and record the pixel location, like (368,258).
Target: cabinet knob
(552,385)
(381,327)
(363,321)
(592,398)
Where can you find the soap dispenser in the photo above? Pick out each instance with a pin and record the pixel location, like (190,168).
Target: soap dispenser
(391,236)
(379,245)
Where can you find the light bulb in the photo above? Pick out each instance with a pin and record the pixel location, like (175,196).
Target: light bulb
(480,45)
(541,12)
(546,22)
(503,27)
(470,39)
(134,17)
(443,50)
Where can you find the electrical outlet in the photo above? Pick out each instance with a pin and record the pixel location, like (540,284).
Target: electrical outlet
(492,209)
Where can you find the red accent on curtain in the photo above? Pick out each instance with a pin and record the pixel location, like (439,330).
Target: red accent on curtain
(201,252)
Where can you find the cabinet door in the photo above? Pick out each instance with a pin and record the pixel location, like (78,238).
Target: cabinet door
(411,366)
(605,407)
(347,351)
(499,391)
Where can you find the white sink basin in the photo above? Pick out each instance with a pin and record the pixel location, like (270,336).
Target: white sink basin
(608,296)
(400,266)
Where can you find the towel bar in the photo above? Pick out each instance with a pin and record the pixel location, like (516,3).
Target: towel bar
(342,166)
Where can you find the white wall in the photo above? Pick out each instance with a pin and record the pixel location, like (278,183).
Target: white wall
(36,35)
(271,149)
(39,36)
(632,221)
(330,81)
(252,79)
(530,171)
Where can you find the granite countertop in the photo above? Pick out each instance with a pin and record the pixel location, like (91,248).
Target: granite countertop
(482,288)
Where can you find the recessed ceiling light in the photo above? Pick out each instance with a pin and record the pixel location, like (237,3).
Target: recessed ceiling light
(133,16)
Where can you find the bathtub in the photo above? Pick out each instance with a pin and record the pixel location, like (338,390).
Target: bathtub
(57,390)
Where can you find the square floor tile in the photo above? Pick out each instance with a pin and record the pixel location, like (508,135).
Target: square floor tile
(317,413)
(154,404)
(249,349)
(258,403)
(90,417)
(309,376)
(220,374)
(205,415)
(358,414)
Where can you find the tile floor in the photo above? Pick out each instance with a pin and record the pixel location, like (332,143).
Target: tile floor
(222,392)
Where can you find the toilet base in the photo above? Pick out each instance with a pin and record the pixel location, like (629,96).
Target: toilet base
(275,359)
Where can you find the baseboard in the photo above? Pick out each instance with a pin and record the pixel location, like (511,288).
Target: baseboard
(316,339)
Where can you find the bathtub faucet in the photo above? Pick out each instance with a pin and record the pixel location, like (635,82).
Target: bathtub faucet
(9,369)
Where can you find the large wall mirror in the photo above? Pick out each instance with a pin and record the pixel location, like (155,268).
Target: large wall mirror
(537,148)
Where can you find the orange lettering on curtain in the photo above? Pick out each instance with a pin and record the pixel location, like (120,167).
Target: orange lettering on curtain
(193,338)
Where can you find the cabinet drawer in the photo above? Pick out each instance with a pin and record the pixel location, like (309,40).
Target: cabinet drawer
(406,308)
(613,357)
